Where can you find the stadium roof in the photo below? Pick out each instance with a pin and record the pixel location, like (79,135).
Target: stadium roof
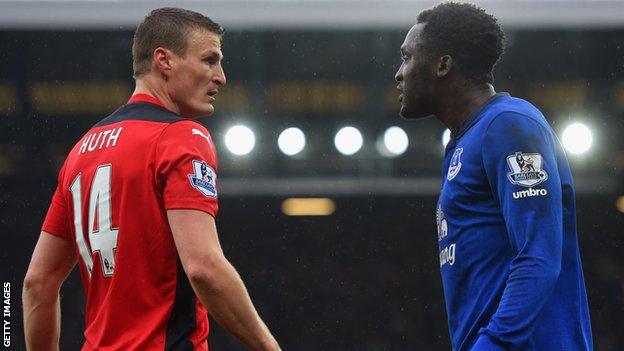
(307,14)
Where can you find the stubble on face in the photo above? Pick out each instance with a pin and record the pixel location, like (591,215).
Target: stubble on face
(198,74)
(413,77)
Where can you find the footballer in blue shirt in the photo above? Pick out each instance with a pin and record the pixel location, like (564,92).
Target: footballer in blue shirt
(509,252)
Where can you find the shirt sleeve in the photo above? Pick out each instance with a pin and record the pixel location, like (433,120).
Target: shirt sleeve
(521,166)
(186,168)
(57,220)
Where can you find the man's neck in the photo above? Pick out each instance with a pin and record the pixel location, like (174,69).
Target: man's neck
(461,102)
(154,87)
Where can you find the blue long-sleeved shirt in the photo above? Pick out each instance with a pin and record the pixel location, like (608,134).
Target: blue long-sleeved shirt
(509,254)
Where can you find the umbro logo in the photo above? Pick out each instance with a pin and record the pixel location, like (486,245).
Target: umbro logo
(529,193)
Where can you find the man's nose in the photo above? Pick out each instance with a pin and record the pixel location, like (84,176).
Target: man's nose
(219,76)
(398,76)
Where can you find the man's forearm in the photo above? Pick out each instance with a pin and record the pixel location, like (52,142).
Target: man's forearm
(529,286)
(227,300)
(42,320)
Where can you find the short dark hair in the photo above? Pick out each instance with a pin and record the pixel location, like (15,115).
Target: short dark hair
(166,27)
(472,37)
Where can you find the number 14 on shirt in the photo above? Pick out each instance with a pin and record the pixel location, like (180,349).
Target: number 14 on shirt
(103,239)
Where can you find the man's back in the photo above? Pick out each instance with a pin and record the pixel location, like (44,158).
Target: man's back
(114,190)
(143,186)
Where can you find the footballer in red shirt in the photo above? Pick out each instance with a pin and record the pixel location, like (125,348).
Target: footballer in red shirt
(135,207)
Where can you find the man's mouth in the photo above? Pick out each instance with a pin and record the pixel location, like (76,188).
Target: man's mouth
(400,93)
(212,94)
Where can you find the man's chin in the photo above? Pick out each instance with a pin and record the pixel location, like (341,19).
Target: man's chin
(405,113)
(208,111)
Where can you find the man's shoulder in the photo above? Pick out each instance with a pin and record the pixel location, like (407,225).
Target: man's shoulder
(186,137)
(513,105)
(514,111)
(186,131)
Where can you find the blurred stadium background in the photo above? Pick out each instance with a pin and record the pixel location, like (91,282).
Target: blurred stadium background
(355,269)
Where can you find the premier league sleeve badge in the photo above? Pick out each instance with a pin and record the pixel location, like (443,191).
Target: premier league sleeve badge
(527,169)
(203,178)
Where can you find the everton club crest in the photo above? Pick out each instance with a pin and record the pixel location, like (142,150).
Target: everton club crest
(527,169)
(456,164)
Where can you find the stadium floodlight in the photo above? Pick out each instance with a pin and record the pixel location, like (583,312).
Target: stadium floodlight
(395,140)
(446,137)
(291,141)
(577,138)
(348,140)
(240,140)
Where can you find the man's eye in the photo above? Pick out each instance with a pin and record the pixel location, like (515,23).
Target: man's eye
(210,61)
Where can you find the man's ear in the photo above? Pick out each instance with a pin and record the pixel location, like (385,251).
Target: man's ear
(443,66)
(162,61)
